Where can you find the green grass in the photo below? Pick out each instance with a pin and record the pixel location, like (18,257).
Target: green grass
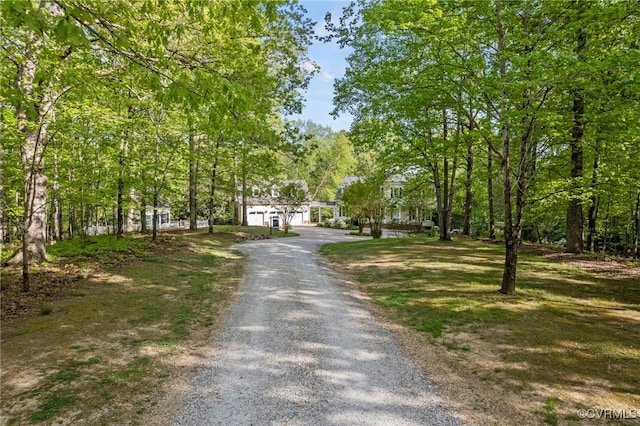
(565,330)
(549,413)
(103,342)
(99,245)
(54,404)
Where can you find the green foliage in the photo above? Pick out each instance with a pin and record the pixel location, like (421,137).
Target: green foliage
(291,197)
(326,157)
(433,82)
(99,246)
(114,90)
(365,201)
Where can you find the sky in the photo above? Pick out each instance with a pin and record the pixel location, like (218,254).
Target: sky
(331,59)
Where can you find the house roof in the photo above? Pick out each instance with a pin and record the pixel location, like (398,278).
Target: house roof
(348,180)
(265,197)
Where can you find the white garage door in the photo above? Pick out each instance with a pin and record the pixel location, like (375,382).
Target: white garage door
(297,219)
(255,219)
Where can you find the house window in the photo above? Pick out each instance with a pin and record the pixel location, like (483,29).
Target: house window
(255,192)
(396,192)
(274,193)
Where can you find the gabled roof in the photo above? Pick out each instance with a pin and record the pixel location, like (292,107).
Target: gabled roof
(300,182)
(348,180)
(266,198)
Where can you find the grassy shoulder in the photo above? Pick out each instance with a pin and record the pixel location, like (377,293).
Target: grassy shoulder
(569,340)
(90,344)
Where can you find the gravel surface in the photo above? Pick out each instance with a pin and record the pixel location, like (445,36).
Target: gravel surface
(300,348)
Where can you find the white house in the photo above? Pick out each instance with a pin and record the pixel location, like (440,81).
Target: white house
(403,208)
(262,205)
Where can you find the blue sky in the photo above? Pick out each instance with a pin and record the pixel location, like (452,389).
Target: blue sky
(331,60)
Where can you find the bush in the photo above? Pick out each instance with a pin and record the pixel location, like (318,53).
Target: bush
(340,224)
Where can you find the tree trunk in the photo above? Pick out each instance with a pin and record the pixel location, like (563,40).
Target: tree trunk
(636,233)
(71,222)
(35,199)
(236,205)
(120,208)
(468,201)
(193,185)
(154,225)
(34,225)
(3,220)
(593,207)
(35,185)
(212,193)
(131,213)
(214,175)
(490,197)
(445,213)
(439,202)
(607,224)
(143,214)
(142,205)
(56,215)
(450,195)
(445,235)
(58,232)
(574,211)
(244,191)
(510,237)
(34,95)
(120,197)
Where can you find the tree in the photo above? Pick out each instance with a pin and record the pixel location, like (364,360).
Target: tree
(324,158)
(431,78)
(365,200)
(289,200)
(152,53)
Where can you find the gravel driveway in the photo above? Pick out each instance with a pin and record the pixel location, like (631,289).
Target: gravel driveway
(299,348)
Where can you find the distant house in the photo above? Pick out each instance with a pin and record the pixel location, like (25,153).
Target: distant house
(262,204)
(403,208)
(339,210)
(164,215)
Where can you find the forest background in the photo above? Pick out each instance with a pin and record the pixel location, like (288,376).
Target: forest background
(520,119)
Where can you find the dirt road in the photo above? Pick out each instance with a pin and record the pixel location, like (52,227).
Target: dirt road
(300,348)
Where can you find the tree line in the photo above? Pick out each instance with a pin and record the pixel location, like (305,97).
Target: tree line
(109,108)
(521,116)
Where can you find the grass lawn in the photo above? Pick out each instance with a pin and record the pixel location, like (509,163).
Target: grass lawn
(91,343)
(569,340)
